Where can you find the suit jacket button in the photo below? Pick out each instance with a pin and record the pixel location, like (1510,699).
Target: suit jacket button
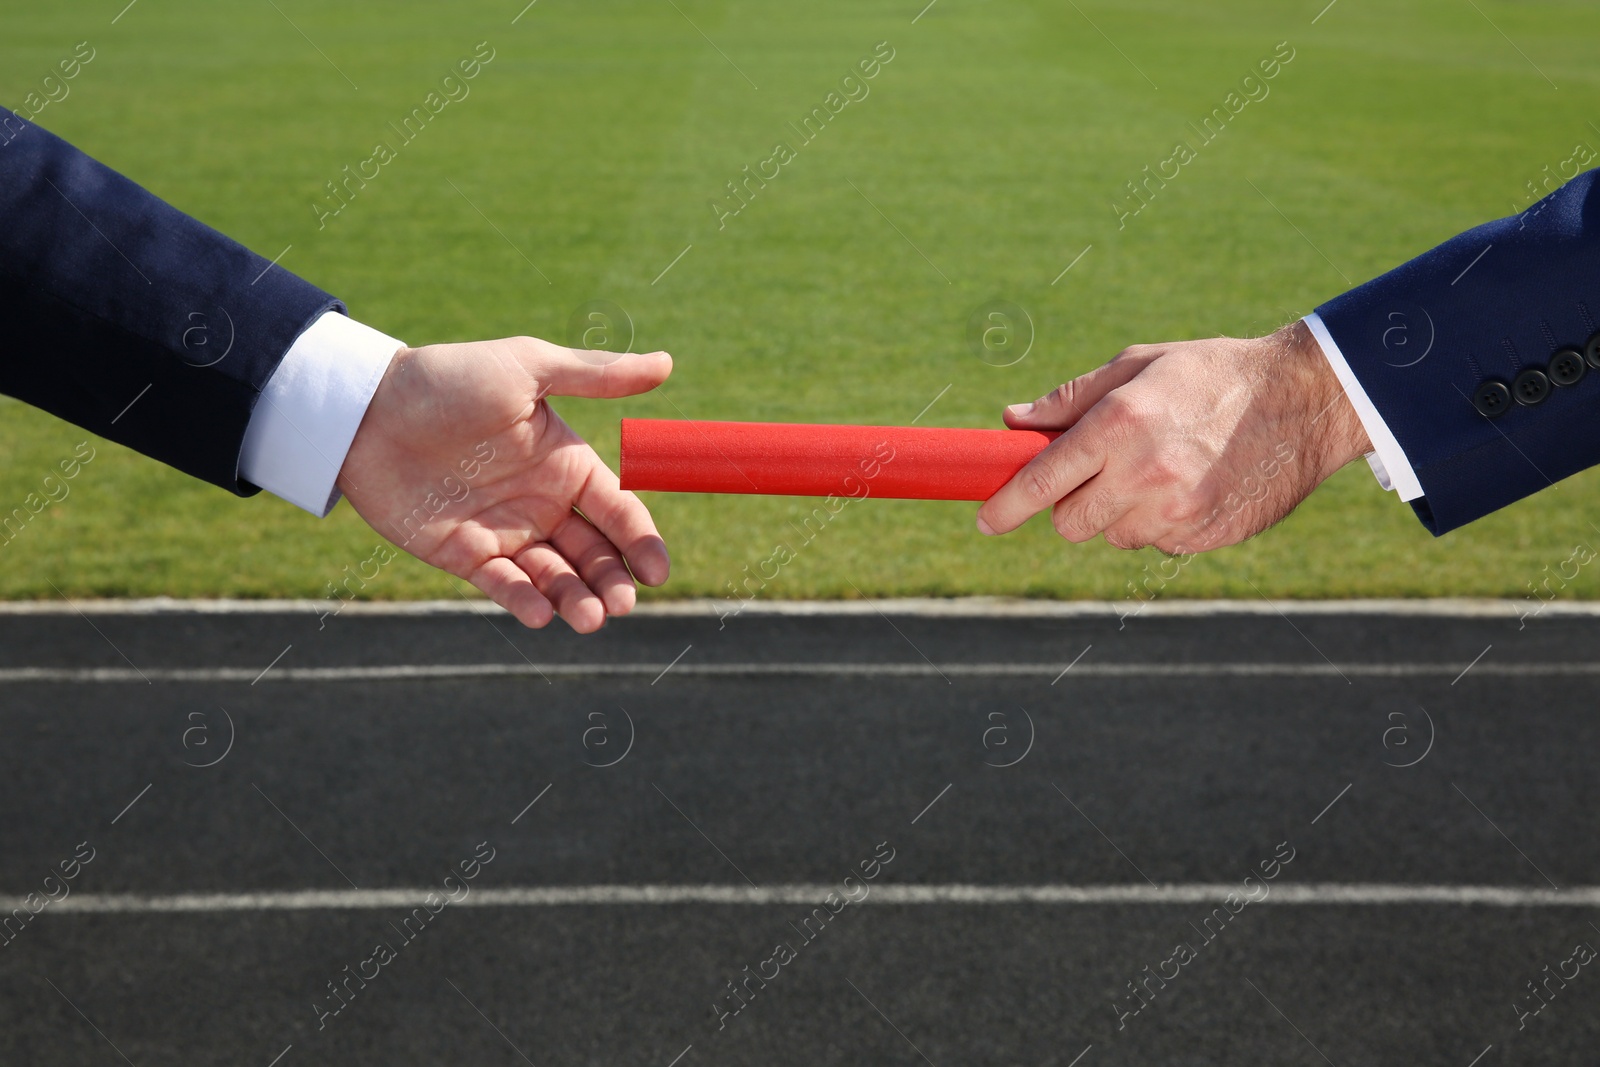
(1567,366)
(1530,387)
(1492,399)
(1591,350)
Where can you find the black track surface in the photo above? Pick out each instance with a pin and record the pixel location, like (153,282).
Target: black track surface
(796,779)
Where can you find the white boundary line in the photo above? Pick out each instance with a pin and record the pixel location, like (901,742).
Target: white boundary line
(1320,895)
(956,607)
(445,671)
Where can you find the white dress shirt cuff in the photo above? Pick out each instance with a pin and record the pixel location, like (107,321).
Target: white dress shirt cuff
(310,409)
(1387,459)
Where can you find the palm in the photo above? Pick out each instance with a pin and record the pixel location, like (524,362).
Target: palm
(461,461)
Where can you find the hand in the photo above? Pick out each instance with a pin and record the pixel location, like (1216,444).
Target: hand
(461,462)
(1187,446)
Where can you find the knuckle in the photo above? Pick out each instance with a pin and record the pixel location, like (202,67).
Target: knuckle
(1163,472)
(1121,404)
(1039,484)
(1120,413)
(1132,530)
(1067,523)
(1139,352)
(1080,521)
(1063,397)
(1127,540)
(1183,509)
(1098,507)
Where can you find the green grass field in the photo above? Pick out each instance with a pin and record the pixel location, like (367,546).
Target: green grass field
(995,140)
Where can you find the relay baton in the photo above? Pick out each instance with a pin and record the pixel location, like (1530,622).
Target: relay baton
(796,459)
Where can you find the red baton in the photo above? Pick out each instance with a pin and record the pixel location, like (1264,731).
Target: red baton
(796,459)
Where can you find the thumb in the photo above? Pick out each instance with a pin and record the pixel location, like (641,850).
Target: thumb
(562,371)
(1064,405)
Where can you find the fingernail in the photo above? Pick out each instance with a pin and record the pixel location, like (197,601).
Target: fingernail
(984,528)
(1020,410)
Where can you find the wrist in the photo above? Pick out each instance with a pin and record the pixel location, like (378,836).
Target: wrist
(1333,429)
(370,417)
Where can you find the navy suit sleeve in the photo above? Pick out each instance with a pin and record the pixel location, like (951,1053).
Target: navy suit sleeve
(1483,355)
(110,297)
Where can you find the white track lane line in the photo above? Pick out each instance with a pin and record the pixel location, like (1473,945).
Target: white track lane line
(445,671)
(926,607)
(1322,895)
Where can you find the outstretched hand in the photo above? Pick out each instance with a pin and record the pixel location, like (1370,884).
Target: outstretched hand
(461,461)
(1187,446)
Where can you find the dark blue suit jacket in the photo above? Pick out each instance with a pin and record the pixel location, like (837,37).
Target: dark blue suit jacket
(108,294)
(1483,355)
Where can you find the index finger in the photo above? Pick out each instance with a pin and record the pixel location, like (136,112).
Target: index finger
(625,522)
(1066,463)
